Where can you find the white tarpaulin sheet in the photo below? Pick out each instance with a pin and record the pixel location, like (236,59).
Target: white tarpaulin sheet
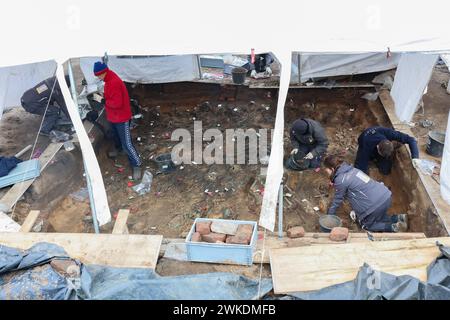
(15,80)
(314,65)
(156,69)
(445,167)
(412,76)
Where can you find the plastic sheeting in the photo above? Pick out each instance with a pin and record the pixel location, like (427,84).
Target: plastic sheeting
(411,79)
(445,167)
(155,69)
(329,65)
(376,285)
(15,80)
(28,275)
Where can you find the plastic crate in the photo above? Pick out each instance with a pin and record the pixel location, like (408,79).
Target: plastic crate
(222,253)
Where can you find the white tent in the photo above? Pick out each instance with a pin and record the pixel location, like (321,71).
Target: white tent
(57,30)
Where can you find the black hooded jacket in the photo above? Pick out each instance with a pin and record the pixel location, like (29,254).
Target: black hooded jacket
(315,136)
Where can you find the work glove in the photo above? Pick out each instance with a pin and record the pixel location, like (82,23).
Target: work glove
(415,163)
(97,97)
(309,156)
(353,215)
(294,151)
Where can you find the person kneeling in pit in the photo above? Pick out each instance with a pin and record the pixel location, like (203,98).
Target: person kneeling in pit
(370,200)
(310,143)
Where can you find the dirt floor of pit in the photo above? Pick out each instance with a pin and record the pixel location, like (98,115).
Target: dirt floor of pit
(344,115)
(177,198)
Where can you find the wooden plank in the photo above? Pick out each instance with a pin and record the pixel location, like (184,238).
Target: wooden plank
(430,185)
(28,224)
(316,267)
(310,239)
(13,195)
(116,250)
(120,226)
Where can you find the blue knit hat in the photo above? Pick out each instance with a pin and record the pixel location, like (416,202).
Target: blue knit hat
(100,68)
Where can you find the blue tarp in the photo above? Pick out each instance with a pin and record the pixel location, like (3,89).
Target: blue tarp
(28,275)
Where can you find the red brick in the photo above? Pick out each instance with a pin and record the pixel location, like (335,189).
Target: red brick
(296,232)
(196,237)
(214,237)
(203,227)
(237,240)
(339,234)
(245,231)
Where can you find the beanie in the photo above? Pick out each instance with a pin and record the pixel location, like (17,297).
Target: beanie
(299,128)
(100,68)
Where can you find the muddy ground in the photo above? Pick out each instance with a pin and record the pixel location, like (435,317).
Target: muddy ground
(177,198)
(344,115)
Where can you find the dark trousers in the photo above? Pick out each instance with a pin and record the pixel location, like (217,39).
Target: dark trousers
(298,163)
(51,116)
(379,220)
(122,141)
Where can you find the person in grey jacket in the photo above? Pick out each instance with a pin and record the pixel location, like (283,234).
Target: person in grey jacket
(369,199)
(309,143)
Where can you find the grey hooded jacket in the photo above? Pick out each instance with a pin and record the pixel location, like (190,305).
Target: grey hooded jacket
(363,193)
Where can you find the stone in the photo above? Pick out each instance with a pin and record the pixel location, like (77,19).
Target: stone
(339,234)
(196,237)
(203,227)
(66,267)
(237,240)
(214,237)
(226,227)
(245,231)
(296,232)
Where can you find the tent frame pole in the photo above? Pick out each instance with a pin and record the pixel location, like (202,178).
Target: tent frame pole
(88,180)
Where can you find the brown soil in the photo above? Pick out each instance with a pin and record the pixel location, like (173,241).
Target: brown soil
(344,115)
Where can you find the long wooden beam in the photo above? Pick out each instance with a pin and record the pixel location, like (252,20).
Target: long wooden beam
(116,250)
(316,267)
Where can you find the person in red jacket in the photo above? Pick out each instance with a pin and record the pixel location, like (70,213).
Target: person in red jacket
(118,113)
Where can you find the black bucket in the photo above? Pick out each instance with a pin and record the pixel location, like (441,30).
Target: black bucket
(328,222)
(435,145)
(238,75)
(165,162)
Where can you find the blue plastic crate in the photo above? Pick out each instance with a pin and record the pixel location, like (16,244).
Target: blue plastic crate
(222,253)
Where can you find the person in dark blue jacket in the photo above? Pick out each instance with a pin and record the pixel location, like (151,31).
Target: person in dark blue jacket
(378,144)
(369,199)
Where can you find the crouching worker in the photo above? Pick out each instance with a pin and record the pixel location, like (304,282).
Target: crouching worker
(369,199)
(118,113)
(309,143)
(46,98)
(379,144)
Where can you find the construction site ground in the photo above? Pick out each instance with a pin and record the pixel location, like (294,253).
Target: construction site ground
(177,198)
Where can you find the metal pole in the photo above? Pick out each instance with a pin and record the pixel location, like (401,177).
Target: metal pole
(88,179)
(199,64)
(280,212)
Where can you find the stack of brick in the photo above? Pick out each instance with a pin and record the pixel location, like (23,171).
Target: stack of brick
(222,232)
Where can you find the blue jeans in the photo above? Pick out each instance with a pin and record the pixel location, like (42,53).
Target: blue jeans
(122,141)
